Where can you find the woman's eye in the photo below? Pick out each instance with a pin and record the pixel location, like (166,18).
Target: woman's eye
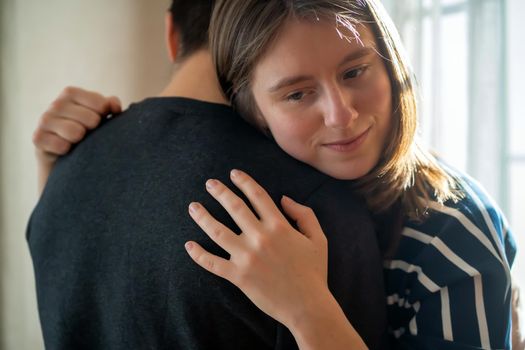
(296,96)
(354,73)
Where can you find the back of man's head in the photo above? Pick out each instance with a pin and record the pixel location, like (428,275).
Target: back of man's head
(192,19)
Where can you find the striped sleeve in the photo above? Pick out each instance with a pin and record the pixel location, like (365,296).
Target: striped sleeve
(448,287)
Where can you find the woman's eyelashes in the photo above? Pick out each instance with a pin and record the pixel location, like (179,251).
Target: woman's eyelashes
(299,96)
(354,73)
(295,96)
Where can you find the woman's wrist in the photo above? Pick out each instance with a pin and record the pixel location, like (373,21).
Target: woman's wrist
(323,325)
(45,163)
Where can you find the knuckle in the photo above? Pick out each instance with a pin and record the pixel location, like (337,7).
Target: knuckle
(216,188)
(277,226)
(262,243)
(57,105)
(307,211)
(236,204)
(114,102)
(37,137)
(258,192)
(61,147)
(68,131)
(98,105)
(78,133)
(217,232)
(209,264)
(69,90)
(241,179)
(251,262)
(46,118)
(93,122)
(205,218)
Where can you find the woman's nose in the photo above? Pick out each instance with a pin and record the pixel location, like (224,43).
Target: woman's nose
(340,110)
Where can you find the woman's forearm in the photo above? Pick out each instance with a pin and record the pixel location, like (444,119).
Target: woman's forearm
(325,326)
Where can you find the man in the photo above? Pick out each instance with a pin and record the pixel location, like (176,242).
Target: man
(107,236)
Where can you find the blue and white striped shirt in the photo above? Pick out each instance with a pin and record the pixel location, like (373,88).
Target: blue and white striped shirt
(448,284)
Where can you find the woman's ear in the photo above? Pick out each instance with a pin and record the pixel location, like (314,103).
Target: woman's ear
(172,36)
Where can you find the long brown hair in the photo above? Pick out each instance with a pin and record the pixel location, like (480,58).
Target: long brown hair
(240,32)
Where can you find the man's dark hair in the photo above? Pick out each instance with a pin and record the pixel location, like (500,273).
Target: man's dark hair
(192,19)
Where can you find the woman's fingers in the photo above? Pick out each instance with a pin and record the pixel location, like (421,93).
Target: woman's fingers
(75,112)
(67,129)
(257,195)
(85,98)
(213,263)
(51,144)
(304,217)
(219,233)
(115,106)
(235,206)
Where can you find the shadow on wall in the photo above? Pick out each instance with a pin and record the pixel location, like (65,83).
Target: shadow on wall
(148,36)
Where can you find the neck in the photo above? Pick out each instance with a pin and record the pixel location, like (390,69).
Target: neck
(195,78)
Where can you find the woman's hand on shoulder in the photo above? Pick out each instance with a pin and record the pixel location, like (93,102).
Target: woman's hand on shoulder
(67,120)
(282,270)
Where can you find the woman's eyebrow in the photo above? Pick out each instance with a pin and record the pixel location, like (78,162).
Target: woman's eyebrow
(289,81)
(362,52)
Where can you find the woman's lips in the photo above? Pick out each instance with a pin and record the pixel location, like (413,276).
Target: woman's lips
(348,145)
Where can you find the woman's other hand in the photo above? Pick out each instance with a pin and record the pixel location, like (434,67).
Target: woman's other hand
(66,122)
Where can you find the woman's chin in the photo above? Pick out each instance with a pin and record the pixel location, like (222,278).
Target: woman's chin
(347,172)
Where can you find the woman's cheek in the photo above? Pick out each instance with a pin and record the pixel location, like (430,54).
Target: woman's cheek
(294,137)
(376,98)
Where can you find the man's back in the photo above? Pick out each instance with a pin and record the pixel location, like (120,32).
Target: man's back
(107,237)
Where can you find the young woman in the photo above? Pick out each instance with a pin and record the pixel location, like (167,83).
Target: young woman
(327,79)
(329,82)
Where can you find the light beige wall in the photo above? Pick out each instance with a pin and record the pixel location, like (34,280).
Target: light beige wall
(115,47)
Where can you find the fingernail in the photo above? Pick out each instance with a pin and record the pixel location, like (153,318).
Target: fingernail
(193,207)
(211,183)
(287,199)
(235,173)
(188,246)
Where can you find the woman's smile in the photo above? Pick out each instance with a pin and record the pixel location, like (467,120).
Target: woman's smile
(348,145)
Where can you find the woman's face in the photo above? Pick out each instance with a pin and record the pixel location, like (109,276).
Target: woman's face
(326,101)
